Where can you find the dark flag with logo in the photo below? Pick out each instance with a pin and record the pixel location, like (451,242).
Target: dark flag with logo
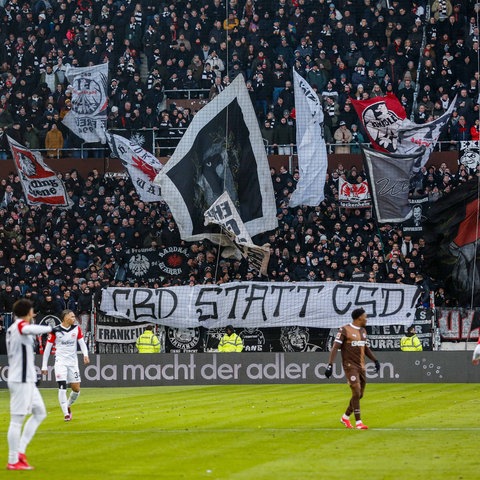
(222,150)
(389,179)
(152,265)
(382,118)
(413,226)
(451,232)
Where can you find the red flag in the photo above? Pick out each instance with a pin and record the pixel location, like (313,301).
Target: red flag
(381,117)
(40,183)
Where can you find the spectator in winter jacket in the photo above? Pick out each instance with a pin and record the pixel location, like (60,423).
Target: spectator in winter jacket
(54,141)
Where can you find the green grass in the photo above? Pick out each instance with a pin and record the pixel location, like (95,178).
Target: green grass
(256,432)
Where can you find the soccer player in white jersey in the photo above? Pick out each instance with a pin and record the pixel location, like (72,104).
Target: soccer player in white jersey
(25,397)
(65,338)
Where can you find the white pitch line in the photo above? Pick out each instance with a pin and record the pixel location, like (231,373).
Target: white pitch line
(268,430)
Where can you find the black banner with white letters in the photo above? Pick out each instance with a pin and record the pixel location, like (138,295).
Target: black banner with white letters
(116,335)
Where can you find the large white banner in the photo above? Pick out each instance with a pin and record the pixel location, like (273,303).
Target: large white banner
(257,304)
(88,116)
(311,147)
(222,150)
(142,166)
(40,183)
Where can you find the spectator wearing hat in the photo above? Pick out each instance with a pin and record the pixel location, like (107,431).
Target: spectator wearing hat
(410,341)
(343,138)
(230,342)
(357,139)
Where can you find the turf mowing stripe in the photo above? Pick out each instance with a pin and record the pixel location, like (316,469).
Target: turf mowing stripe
(250,430)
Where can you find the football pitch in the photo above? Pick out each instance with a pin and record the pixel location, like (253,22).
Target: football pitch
(256,432)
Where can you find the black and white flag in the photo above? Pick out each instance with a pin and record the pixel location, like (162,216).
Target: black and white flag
(311,146)
(412,135)
(469,155)
(224,213)
(389,179)
(88,116)
(222,150)
(142,166)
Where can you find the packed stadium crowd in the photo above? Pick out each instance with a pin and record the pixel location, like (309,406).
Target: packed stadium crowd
(345,49)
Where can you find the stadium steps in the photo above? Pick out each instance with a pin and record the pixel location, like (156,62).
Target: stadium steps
(143,67)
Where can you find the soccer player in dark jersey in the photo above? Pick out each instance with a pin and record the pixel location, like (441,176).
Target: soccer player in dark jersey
(351,340)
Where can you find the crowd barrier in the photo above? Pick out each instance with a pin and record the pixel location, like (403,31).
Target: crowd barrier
(260,368)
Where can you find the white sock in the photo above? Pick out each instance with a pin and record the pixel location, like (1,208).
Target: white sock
(359,422)
(14,434)
(345,416)
(62,398)
(73,397)
(29,430)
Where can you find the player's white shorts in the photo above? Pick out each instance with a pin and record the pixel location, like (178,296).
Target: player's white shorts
(67,373)
(25,399)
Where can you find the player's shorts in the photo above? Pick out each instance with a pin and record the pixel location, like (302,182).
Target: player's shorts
(355,376)
(67,373)
(25,399)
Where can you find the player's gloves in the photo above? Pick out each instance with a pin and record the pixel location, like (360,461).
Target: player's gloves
(328,370)
(377,366)
(56,329)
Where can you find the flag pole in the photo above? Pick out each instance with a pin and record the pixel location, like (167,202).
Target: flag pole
(474,270)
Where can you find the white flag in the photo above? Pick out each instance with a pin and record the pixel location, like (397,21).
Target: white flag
(222,150)
(142,166)
(88,116)
(412,135)
(40,183)
(223,212)
(311,147)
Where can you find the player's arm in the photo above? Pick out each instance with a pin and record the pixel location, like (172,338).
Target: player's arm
(372,357)
(476,355)
(337,345)
(46,353)
(30,329)
(83,347)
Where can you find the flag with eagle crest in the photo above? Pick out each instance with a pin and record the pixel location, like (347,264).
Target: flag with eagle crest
(353,195)
(142,166)
(40,183)
(382,118)
(88,116)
